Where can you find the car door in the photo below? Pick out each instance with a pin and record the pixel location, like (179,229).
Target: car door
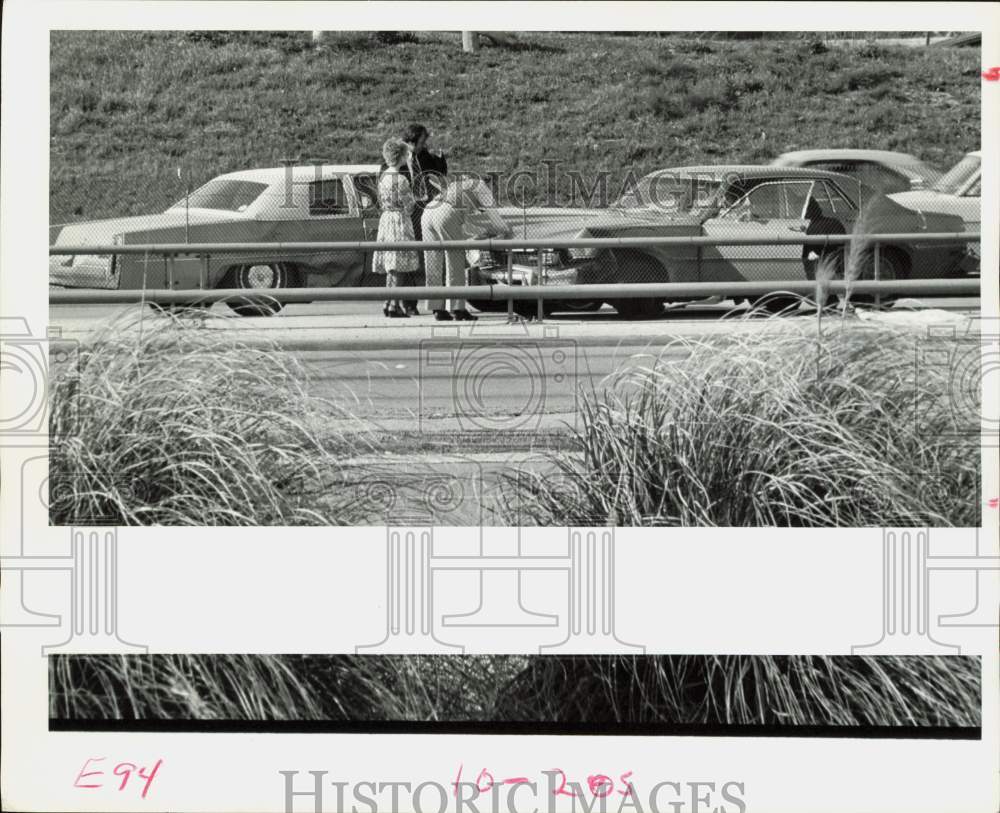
(771,209)
(366,195)
(324,210)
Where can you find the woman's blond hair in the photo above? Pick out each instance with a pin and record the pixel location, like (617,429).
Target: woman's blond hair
(393,151)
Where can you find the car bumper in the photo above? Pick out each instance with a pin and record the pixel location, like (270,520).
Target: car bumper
(529,275)
(82,271)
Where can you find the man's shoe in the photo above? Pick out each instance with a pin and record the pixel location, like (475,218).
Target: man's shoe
(463,316)
(442,316)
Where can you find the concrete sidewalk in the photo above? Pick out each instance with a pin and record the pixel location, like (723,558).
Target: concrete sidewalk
(306,332)
(365,332)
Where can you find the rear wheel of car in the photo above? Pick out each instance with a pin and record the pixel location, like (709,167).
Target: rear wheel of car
(891,266)
(580,305)
(256,277)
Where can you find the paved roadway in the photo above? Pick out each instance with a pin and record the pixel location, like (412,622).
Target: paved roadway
(403,375)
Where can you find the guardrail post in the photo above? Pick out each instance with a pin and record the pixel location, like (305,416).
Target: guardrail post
(203,281)
(541,272)
(170,270)
(878,294)
(510,282)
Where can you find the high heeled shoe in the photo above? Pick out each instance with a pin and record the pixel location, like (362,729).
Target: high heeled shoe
(397,313)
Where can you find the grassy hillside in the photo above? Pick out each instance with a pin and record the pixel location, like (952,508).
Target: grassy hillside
(129,108)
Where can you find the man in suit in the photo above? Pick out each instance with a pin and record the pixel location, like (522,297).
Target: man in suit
(425,171)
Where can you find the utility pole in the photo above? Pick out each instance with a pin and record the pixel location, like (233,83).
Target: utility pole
(470,42)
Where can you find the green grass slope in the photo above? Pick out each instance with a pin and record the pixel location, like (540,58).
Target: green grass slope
(129,108)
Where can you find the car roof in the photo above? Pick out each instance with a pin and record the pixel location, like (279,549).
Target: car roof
(718,171)
(301,172)
(886,156)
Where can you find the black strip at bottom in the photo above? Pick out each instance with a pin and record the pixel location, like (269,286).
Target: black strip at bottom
(517,728)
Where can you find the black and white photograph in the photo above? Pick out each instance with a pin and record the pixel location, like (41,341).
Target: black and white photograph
(660,278)
(507,405)
(899,696)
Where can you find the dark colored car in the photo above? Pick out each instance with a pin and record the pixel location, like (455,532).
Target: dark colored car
(729,201)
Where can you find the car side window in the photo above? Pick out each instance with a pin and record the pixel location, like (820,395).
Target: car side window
(328,197)
(367,188)
(771,201)
(833,203)
(975,190)
(820,204)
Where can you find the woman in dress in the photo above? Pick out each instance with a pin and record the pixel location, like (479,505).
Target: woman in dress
(396,201)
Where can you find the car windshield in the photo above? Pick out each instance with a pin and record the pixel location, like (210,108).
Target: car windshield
(670,192)
(958,176)
(223,193)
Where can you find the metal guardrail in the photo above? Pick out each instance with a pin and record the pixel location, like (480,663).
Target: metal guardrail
(504,293)
(509,292)
(492,244)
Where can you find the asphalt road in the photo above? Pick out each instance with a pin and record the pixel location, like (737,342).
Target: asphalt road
(422,384)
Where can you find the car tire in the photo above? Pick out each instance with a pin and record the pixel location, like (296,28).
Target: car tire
(892,266)
(256,277)
(579,305)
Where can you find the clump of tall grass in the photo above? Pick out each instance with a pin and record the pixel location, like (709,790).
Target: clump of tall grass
(169,421)
(280,687)
(217,687)
(749,689)
(731,689)
(769,429)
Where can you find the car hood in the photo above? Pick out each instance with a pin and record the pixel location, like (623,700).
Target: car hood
(927,200)
(565,223)
(102,232)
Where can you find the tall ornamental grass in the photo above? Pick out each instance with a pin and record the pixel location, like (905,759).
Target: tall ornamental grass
(778,428)
(602,689)
(176,420)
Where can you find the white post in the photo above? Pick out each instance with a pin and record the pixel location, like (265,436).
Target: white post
(318,37)
(470,42)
